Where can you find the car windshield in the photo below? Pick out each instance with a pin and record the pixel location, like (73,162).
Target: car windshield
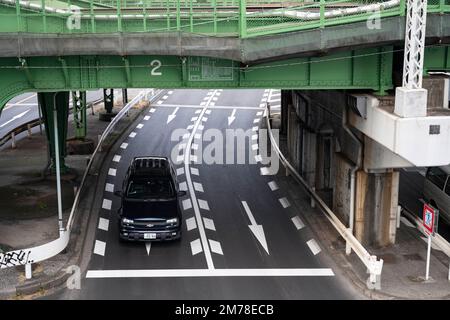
(151,188)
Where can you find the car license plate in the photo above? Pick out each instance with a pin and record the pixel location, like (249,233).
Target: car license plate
(149,235)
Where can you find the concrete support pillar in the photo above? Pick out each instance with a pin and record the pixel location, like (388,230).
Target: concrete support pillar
(286,102)
(79,113)
(125,96)
(108,99)
(376,208)
(47,101)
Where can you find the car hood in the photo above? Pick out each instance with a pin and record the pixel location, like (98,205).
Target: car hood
(147,210)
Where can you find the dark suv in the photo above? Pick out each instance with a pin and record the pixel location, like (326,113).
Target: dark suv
(150,210)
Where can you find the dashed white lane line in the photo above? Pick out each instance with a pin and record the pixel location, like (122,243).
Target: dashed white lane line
(109,187)
(255,137)
(198,111)
(146,118)
(106,204)
(196,247)
(208,111)
(133,134)
(215,247)
(284,202)
(186,136)
(140,126)
(187,204)
(255,147)
(202,104)
(194,146)
(313,246)
(194,158)
(204,119)
(197,273)
(256,120)
(259,113)
(258,158)
(170,92)
(203,204)
(212,104)
(209,224)
(198,187)
(99,247)
(160,102)
(200,127)
(264,171)
(183,186)
(198,136)
(180,171)
(255,128)
(117,158)
(194,118)
(103,224)
(190,127)
(298,222)
(180,158)
(194,171)
(152,110)
(124,145)
(191,224)
(262,105)
(165,97)
(112,172)
(273,185)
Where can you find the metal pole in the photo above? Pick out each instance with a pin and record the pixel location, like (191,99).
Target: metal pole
(427,273)
(58,169)
(40,118)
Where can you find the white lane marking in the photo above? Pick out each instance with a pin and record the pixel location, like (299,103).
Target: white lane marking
(165,97)
(209,224)
(212,104)
(190,127)
(264,171)
(186,136)
(20,115)
(254,137)
(106,204)
(152,110)
(170,92)
(207,98)
(198,187)
(264,100)
(133,134)
(208,111)
(256,120)
(191,224)
(215,98)
(255,147)
(196,273)
(203,204)
(313,246)
(9,105)
(200,127)
(273,185)
(265,94)
(198,111)
(298,222)
(259,113)
(103,224)
(117,158)
(99,247)
(124,145)
(173,115)
(262,105)
(198,136)
(180,171)
(180,158)
(159,102)
(140,126)
(196,247)
(183,186)
(194,146)
(215,247)
(109,187)
(406,222)
(181,146)
(284,202)
(112,172)
(194,171)
(202,104)
(258,158)
(256,229)
(148,247)
(255,128)
(194,118)
(187,204)
(232,117)
(193,158)
(204,119)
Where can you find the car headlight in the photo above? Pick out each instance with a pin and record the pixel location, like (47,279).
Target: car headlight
(172,221)
(125,220)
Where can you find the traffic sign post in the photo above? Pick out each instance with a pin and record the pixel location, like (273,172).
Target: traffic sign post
(430,215)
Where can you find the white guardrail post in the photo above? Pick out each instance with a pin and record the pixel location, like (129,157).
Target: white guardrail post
(374,266)
(26,257)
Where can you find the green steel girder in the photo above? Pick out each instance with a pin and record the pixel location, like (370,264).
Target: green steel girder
(79,113)
(358,69)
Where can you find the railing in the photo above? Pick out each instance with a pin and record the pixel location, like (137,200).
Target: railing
(373,265)
(43,252)
(212,17)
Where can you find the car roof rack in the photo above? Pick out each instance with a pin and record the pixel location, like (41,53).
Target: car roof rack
(155,166)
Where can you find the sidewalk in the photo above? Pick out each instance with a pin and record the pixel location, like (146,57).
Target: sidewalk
(29,206)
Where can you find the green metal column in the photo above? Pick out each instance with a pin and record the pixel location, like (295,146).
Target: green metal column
(47,102)
(79,113)
(108,99)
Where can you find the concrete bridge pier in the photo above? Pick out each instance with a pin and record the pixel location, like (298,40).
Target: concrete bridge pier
(49,102)
(108,100)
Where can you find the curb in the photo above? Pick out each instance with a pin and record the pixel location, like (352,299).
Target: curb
(56,281)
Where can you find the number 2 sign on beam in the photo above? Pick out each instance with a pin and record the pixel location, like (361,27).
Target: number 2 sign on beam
(156,64)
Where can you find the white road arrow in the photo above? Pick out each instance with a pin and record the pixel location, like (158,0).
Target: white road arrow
(232,117)
(173,115)
(20,115)
(257,229)
(148,246)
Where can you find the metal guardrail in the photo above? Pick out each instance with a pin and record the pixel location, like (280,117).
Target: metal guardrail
(29,256)
(373,265)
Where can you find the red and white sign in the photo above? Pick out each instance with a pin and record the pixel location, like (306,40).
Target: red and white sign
(429,218)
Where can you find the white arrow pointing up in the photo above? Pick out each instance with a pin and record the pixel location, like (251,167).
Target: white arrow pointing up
(20,115)
(173,115)
(148,246)
(257,229)
(232,117)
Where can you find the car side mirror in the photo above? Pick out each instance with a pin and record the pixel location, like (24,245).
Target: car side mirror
(118,193)
(182,193)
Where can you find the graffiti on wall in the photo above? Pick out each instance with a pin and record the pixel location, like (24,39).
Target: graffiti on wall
(15,258)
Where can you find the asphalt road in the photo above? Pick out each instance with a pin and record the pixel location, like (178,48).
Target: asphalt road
(218,257)
(24,108)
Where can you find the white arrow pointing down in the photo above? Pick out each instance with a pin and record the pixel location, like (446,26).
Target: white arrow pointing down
(256,229)
(173,115)
(232,117)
